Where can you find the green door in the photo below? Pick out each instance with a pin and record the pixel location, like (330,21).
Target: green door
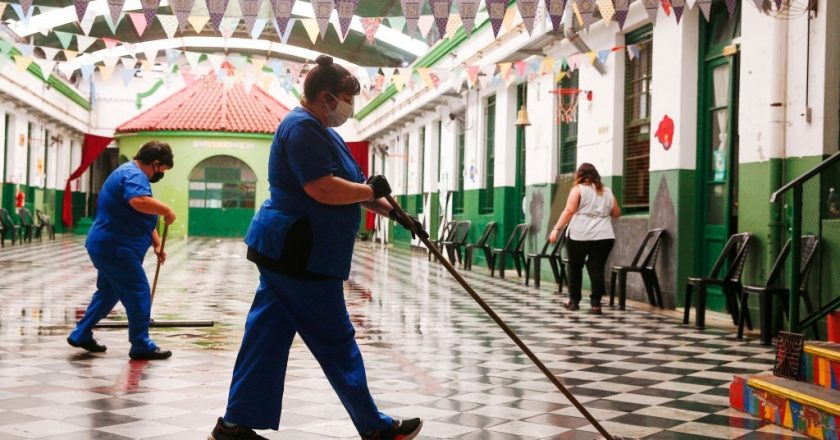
(521,100)
(717,148)
(222,197)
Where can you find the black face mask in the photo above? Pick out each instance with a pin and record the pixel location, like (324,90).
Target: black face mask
(156,176)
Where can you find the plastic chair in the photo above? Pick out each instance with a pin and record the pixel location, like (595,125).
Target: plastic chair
(514,247)
(643,263)
(44,222)
(765,293)
(445,234)
(548,254)
(27,225)
(558,262)
(483,243)
(736,247)
(459,240)
(10,229)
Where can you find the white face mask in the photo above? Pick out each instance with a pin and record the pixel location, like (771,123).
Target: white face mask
(340,114)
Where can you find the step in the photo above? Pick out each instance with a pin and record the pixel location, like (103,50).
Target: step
(821,364)
(800,406)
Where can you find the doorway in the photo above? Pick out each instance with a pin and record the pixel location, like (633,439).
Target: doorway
(222,197)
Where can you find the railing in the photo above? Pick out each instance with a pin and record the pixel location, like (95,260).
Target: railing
(809,213)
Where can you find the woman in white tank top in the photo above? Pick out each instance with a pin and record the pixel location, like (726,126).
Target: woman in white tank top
(589,211)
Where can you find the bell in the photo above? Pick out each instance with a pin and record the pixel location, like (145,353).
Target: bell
(522,117)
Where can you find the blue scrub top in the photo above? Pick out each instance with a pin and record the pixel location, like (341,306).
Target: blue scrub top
(117,223)
(304,150)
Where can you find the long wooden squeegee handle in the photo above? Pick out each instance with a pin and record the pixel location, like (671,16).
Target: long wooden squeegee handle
(399,211)
(157,270)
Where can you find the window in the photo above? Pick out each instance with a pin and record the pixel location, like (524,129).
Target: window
(637,79)
(458,197)
(485,196)
(568,131)
(222,182)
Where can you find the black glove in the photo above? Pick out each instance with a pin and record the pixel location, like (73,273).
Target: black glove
(411,224)
(380,186)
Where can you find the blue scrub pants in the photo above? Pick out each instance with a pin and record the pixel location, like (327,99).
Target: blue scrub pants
(121,278)
(316,310)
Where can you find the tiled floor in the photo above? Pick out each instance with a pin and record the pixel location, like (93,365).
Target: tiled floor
(429,350)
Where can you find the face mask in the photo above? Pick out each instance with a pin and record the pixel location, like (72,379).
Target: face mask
(156,176)
(340,114)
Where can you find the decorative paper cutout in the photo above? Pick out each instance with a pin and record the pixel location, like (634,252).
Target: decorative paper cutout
(282,12)
(228,26)
(311,28)
(555,9)
(83,42)
(679,8)
(468,9)
(323,9)
(441,10)
(705,7)
(371,25)
(217,9)
(424,24)
(150,8)
(411,11)
(607,10)
(622,7)
(139,22)
(346,10)
(528,10)
(652,8)
(198,22)
(64,38)
(169,24)
(115,8)
(250,9)
(81,7)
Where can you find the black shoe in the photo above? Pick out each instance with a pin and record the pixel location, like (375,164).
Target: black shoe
(570,306)
(151,355)
(221,432)
(91,346)
(595,311)
(400,430)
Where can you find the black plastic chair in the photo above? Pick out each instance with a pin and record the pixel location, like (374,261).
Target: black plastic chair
(558,261)
(488,236)
(27,225)
(44,222)
(10,229)
(548,252)
(737,248)
(514,247)
(765,293)
(444,235)
(459,240)
(644,263)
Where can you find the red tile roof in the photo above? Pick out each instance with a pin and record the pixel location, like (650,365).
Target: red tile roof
(206,105)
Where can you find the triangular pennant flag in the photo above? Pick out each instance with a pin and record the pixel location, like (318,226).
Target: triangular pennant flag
(87,71)
(250,9)
(666,7)
(130,49)
(622,7)
(265,82)
(169,24)
(433,36)
(112,24)
(652,8)
(83,42)
(139,22)
(311,28)
(150,8)
(259,26)
(27,50)
(483,81)
(504,69)
(70,55)
(67,69)
(679,7)
(411,11)
(216,60)
(555,9)
(115,8)
(453,25)
(172,55)
(87,22)
(106,71)
(23,15)
(2,8)
(282,11)
(198,22)
(632,51)
(424,75)
(258,64)
(146,65)
(399,81)
(371,25)
(520,68)
(5,47)
(26,6)
(496,9)
(81,7)
(592,55)
(441,10)
(46,66)
(151,55)
(110,43)
(217,9)
(228,26)
(527,10)
(346,10)
(284,38)
(50,52)
(323,9)
(507,22)
(110,61)
(182,10)
(127,75)
(586,9)
(468,9)
(193,59)
(128,63)
(603,54)
(372,72)
(397,23)
(547,65)
(424,24)
(472,75)
(706,8)
(730,6)
(64,38)
(607,10)
(22,61)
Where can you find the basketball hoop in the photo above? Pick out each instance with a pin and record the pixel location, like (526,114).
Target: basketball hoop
(567,102)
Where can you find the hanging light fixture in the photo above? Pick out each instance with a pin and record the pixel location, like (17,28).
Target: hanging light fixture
(522,116)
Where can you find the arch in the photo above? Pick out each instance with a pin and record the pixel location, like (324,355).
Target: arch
(222,197)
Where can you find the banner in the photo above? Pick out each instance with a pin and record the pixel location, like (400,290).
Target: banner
(92,147)
(555,9)
(282,12)
(496,9)
(468,9)
(182,10)
(346,10)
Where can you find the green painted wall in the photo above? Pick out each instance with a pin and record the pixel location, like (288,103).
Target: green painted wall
(189,150)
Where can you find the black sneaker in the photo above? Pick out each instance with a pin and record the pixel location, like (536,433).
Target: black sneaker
(91,346)
(221,432)
(571,306)
(158,354)
(400,430)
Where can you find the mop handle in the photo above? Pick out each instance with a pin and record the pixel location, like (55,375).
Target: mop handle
(157,270)
(399,211)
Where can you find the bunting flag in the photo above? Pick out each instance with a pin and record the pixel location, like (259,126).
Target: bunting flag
(259,26)
(472,75)
(193,59)
(679,7)
(528,10)
(115,8)
(284,37)
(468,9)
(23,15)
(139,22)
(216,60)
(22,62)
(112,25)
(151,55)
(398,23)
(110,61)
(81,7)
(46,66)
(87,71)
(311,28)
(607,10)
(555,9)
(198,22)
(520,66)
(411,11)
(632,51)
(603,54)
(622,7)
(83,42)
(730,6)
(2,8)
(346,10)
(182,10)
(64,38)
(507,22)
(424,24)
(105,72)
(67,69)
(70,55)
(282,12)
(441,10)
(228,26)
(130,49)
(87,22)
(127,75)
(371,25)
(705,7)
(250,9)
(150,8)
(110,43)
(26,7)
(453,25)
(128,63)
(50,52)
(666,7)
(323,9)
(169,24)
(399,81)
(587,9)
(217,9)
(652,8)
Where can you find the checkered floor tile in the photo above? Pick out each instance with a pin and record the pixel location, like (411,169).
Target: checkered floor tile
(429,349)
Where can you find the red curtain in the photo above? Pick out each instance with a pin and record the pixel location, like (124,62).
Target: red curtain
(359,150)
(91,149)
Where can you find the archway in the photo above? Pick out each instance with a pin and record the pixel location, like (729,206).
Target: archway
(222,197)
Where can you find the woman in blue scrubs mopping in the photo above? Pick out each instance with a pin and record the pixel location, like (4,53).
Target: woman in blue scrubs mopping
(122,232)
(302,242)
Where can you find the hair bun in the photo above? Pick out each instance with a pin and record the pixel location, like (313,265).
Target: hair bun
(324,60)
